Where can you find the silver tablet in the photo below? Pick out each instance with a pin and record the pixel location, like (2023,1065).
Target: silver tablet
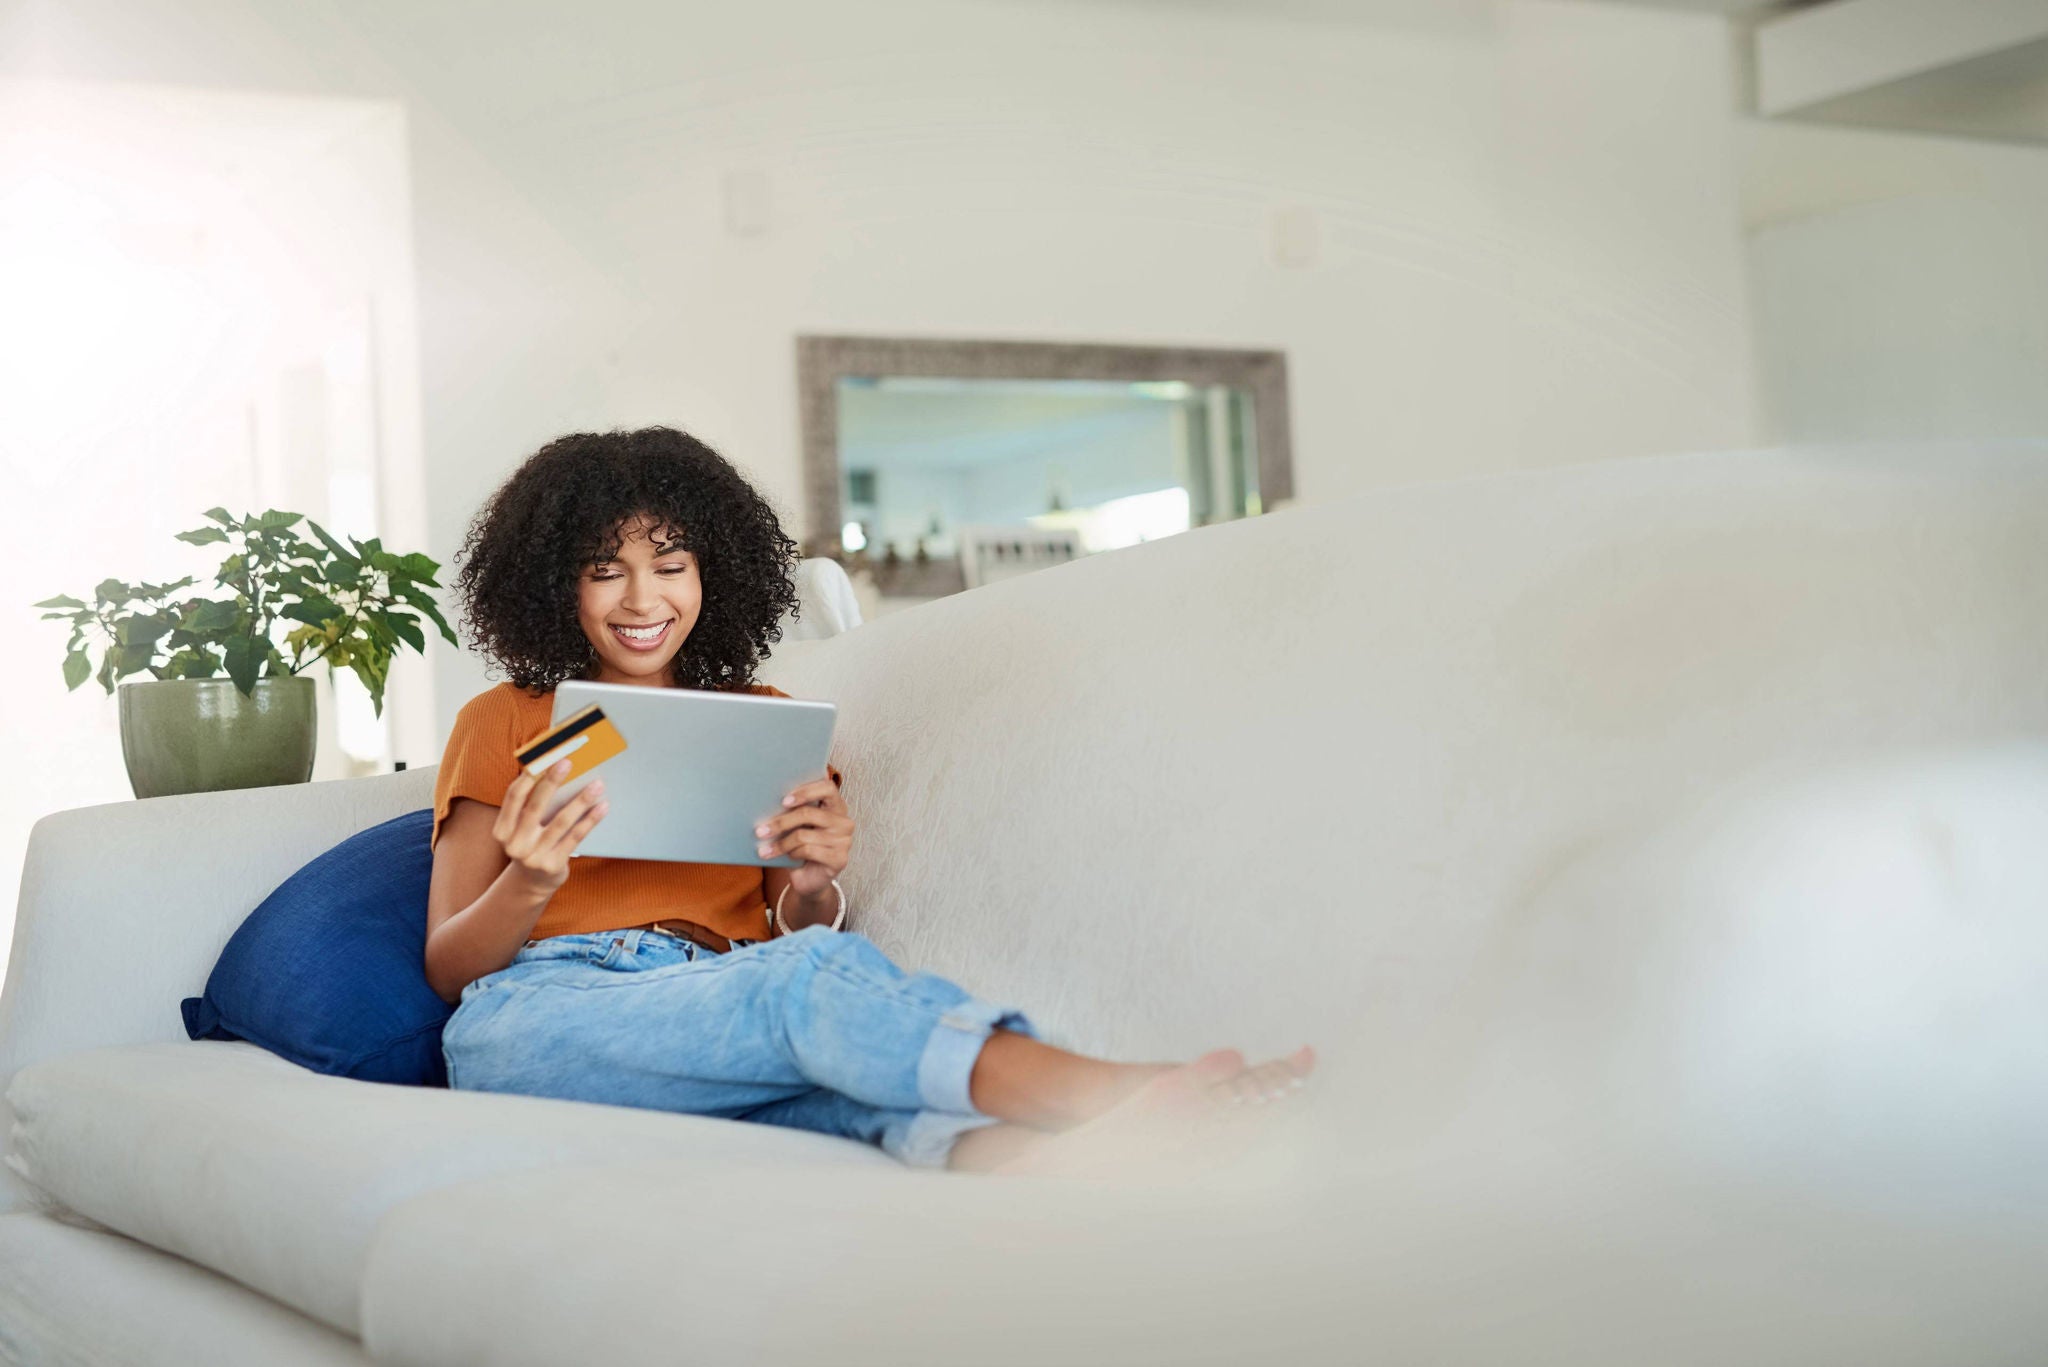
(699,770)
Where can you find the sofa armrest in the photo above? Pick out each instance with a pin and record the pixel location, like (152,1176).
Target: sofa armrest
(125,907)
(827,605)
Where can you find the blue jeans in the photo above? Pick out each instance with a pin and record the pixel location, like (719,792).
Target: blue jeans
(816,1030)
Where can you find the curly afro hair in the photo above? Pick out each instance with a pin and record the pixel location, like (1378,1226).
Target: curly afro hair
(566,508)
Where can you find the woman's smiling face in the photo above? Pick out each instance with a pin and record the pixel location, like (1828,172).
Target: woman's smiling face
(638,607)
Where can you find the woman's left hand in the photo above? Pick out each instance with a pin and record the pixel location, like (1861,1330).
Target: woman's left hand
(813,826)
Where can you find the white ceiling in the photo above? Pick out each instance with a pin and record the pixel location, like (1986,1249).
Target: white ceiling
(1376,10)
(1965,68)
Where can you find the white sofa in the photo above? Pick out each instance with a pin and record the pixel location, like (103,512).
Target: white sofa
(1653,849)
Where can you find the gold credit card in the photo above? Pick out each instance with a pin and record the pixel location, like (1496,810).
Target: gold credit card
(586,739)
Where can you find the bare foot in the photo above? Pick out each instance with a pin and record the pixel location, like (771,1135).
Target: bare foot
(1178,1120)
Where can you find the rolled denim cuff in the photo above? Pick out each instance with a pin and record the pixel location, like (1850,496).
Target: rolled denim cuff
(953,1046)
(927,1141)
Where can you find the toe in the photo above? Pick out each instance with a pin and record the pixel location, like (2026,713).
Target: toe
(1272,1079)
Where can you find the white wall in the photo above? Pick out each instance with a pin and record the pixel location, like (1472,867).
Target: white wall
(1526,210)
(208,301)
(1901,284)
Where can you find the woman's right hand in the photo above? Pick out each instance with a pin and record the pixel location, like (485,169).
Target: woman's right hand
(538,854)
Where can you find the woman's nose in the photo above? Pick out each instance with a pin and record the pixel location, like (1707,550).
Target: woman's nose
(640,596)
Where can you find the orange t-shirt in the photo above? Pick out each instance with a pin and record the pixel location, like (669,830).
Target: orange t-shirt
(601,894)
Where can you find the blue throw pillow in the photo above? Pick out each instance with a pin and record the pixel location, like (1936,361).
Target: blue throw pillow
(330,972)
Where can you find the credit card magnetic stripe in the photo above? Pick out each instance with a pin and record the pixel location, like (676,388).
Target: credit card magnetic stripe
(548,757)
(574,727)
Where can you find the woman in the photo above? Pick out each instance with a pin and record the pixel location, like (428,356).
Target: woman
(643,558)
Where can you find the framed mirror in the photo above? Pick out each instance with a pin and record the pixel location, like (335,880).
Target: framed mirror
(935,466)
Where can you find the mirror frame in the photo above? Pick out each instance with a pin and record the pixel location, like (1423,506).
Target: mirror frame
(823,361)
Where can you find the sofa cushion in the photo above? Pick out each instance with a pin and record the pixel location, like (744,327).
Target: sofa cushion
(1440,1262)
(326,971)
(277,1176)
(71,1295)
(93,965)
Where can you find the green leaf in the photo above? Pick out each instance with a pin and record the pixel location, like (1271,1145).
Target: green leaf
(373,679)
(219,515)
(113,592)
(60,601)
(204,536)
(191,663)
(142,631)
(425,603)
(206,617)
(366,549)
(314,611)
(245,655)
(77,669)
(277,521)
(131,659)
(348,565)
(419,568)
(409,629)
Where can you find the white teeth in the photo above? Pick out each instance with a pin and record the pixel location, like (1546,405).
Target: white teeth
(641,633)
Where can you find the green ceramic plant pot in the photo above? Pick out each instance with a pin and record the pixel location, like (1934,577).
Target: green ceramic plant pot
(203,736)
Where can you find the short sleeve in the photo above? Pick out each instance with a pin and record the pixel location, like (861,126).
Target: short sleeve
(479,762)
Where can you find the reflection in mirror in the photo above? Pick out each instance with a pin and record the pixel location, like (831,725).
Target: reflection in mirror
(962,479)
(936,465)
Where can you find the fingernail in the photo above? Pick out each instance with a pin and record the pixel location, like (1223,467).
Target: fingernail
(767,850)
(596,785)
(561,766)
(760,830)
(789,802)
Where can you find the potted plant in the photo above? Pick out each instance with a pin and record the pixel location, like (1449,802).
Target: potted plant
(226,706)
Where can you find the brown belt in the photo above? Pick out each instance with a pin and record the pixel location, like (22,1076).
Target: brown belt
(690,930)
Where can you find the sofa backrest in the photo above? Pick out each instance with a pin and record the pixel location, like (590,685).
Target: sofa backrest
(1307,777)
